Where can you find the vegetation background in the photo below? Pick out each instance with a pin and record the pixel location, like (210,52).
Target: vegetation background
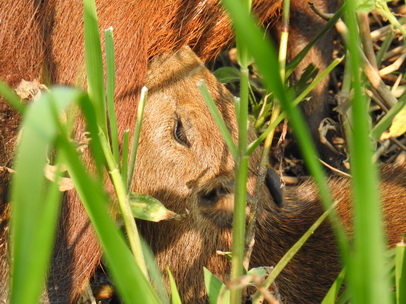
(373,127)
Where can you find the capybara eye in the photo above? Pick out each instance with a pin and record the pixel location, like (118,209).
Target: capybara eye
(179,133)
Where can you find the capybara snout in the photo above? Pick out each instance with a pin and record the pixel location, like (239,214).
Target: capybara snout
(181,149)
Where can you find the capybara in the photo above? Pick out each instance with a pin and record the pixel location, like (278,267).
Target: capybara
(184,162)
(44,40)
(205,188)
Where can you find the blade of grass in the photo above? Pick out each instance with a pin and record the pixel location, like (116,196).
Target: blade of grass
(334,290)
(241,168)
(131,283)
(111,81)
(174,290)
(385,122)
(217,118)
(366,272)
(94,62)
(265,57)
(124,157)
(264,163)
(121,193)
(252,146)
(155,274)
(35,203)
(137,132)
(291,252)
(299,57)
(400,276)
(11,97)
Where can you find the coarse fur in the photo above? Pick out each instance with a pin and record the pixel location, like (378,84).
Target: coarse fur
(197,178)
(204,187)
(181,124)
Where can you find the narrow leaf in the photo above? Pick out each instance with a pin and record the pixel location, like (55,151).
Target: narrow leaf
(147,208)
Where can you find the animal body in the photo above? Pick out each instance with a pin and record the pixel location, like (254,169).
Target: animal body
(177,121)
(205,188)
(195,169)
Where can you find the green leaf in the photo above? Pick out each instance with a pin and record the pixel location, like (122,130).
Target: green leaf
(216,290)
(154,273)
(398,126)
(94,62)
(385,122)
(111,83)
(258,272)
(227,74)
(132,285)
(11,97)
(330,297)
(147,208)
(174,289)
(365,6)
(400,273)
(292,252)
(35,201)
(218,118)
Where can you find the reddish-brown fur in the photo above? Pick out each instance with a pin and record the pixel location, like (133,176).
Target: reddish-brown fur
(209,174)
(49,47)
(199,176)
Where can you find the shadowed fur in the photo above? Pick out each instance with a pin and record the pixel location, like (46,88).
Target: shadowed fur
(44,40)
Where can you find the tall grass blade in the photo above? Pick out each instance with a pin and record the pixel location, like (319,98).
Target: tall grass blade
(129,279)
(291,252)
(385,122)
(334,290)
(124,156)
(11,97)
(136,138)
(299,57)
(265,57)
(174,290)
(400,275)
(368,281)
(111,83)
(94,63)
(35,201)
(217,118)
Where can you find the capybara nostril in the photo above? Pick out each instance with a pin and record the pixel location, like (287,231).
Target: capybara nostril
(209,199)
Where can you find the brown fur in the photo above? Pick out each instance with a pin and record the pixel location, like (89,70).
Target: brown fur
(44,40)
(189,245)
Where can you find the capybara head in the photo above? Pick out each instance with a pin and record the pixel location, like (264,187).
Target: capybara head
(184,161)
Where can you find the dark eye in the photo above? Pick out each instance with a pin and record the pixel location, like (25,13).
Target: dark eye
(179,133)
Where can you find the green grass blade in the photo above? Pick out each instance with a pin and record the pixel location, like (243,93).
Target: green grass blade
(111,82)
(252,146)
(216,290)
(299,57)
(131,283)
(334,290)
(122,198)
(367,277)
(11,97)
(174,290)
(385,122)
(292,251)
(94,63)
(217,118)
(154,273)
(136,138)
(124,157)
(265,57)
(400,275)
(35,208)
